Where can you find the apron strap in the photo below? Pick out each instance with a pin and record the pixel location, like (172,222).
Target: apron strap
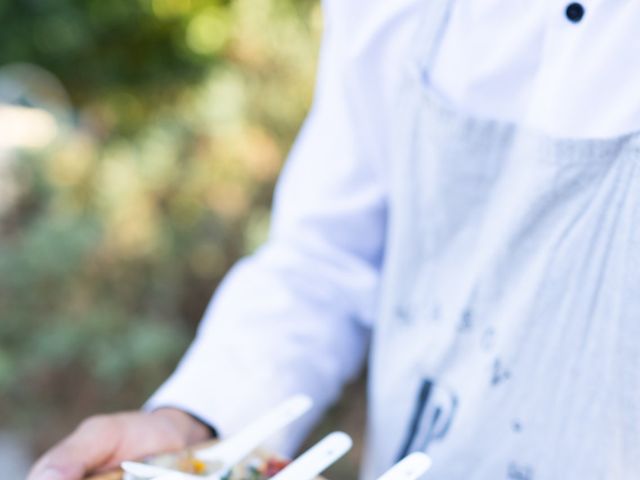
(430,33)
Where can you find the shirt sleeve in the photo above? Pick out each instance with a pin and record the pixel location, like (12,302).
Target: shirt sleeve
(295,316)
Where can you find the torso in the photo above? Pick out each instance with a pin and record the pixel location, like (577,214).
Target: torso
(510,291)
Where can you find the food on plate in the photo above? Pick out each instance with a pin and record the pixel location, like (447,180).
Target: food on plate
(256,467)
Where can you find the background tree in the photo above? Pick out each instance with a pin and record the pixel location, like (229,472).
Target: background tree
(113,238)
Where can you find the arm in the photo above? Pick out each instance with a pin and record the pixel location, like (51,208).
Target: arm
(294,317)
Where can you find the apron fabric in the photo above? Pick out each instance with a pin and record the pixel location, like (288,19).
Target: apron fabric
(507,345)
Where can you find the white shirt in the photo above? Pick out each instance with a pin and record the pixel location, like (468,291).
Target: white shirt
(296,316)
(526,61)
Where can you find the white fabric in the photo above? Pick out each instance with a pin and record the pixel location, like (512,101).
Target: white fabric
(295,317)
(525,61)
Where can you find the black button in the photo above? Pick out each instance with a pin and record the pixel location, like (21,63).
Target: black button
(575,12)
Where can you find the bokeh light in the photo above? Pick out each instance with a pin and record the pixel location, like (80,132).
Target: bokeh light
(141,141)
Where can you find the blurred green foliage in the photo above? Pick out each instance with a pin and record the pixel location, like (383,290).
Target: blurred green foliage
(113,239)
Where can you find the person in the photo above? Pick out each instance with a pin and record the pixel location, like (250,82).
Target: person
(461,211)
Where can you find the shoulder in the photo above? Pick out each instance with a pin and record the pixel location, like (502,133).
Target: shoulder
(367,20)
(369,43)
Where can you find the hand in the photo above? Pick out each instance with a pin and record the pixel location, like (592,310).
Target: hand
(100,443)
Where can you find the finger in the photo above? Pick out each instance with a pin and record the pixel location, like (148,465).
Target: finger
(88,448)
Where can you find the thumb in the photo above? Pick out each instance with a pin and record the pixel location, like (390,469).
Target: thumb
(57,472)
(90,447)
